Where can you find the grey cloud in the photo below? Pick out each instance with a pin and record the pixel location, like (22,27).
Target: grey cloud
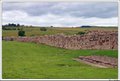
(99,9)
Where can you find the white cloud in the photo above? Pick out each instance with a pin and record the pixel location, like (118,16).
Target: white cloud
(101,9)
(21,17)
(61,14)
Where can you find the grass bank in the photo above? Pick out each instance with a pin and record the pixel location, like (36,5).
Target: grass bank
(30,61)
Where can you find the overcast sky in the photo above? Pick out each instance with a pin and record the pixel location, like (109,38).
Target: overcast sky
(61,13)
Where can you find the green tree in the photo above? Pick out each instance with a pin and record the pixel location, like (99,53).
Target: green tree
(21,33)
(80,33)
(43,29)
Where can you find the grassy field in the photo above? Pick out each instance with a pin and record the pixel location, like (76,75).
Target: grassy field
(29,60)
(35,31)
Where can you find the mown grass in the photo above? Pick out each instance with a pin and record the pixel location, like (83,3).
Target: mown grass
(35,31)
(37,61)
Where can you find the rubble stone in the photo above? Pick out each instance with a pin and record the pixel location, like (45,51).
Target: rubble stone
(91,40)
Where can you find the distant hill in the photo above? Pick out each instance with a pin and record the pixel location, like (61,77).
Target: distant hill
(85,26)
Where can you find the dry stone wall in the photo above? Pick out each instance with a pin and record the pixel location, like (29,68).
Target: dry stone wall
(91,40)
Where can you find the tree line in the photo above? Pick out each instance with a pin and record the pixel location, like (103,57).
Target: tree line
(12,25)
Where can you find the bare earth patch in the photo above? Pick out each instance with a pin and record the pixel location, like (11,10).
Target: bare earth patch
(99,61)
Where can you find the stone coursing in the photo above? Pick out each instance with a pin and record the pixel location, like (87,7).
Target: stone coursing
(99,61)
(91,40)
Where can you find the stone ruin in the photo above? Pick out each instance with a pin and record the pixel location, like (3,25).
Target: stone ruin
(99,61)
(91,40)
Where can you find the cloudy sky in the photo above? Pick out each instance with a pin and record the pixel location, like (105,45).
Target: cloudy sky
(61,13)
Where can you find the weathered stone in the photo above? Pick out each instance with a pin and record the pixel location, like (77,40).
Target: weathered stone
(91,40)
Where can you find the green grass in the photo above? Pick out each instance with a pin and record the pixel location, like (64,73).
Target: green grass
(35,31)
(33,61)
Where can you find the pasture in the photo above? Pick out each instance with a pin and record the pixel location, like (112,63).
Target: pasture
(38,61)
(35,31)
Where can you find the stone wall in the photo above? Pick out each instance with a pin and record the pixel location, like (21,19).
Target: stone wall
(91,40)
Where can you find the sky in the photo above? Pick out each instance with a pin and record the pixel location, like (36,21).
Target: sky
(61,14)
